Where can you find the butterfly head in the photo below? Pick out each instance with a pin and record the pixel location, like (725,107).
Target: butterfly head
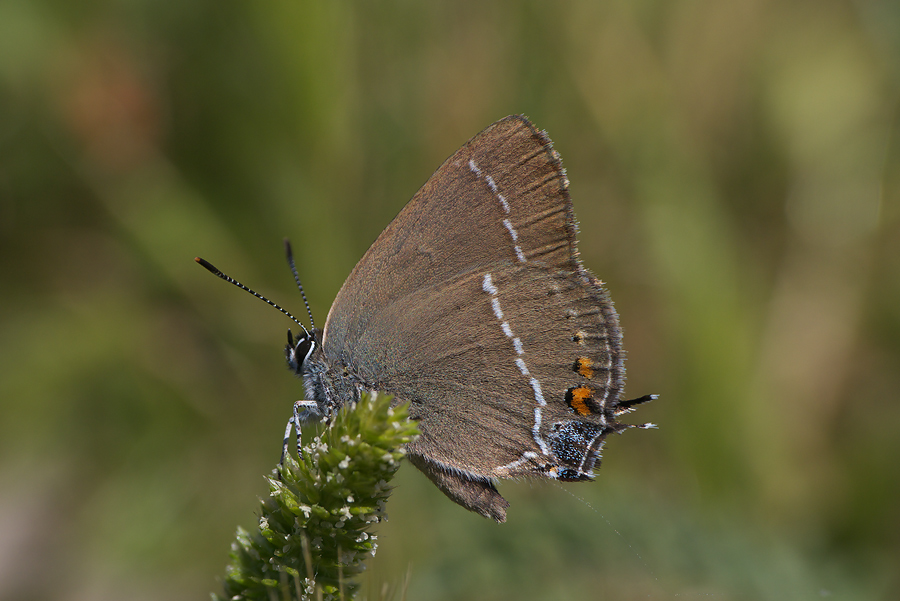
(300,349)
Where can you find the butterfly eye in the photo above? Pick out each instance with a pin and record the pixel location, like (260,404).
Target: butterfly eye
(298,350)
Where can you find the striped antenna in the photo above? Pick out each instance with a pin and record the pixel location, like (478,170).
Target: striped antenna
(212,269)
(290,259)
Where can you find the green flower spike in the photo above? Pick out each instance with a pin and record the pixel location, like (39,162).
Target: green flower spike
(313,537)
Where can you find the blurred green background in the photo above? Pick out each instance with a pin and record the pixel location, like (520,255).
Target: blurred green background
(735,168)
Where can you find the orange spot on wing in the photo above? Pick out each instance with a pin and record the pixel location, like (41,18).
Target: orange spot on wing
(585,367)
(578,398)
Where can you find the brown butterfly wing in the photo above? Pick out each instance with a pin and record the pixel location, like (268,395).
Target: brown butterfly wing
(473,307)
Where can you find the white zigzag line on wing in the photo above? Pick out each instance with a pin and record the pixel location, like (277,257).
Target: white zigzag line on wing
(474,168)
(488,286)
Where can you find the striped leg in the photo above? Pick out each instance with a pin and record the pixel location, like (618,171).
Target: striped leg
(297,418)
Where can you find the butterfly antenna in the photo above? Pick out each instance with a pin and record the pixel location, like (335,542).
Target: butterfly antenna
(290,260)
(212,269)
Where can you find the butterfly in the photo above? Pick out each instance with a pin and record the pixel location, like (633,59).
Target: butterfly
(473,307)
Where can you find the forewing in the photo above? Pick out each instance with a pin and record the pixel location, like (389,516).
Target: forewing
(501,197)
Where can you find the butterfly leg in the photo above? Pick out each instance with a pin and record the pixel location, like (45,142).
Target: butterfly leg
(302,412)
